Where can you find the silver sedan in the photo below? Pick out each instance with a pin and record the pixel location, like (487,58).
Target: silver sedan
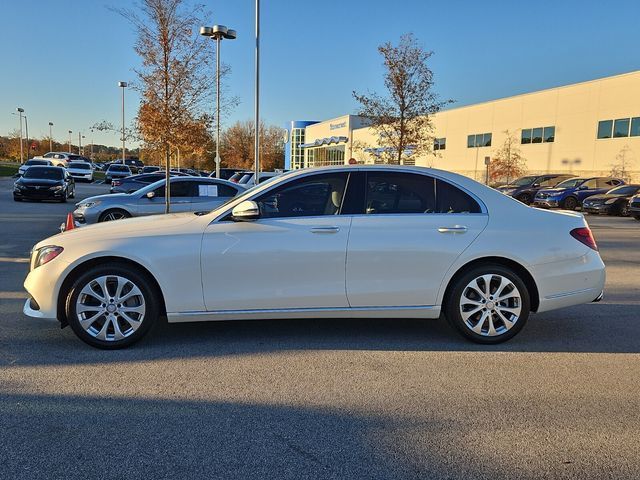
(188,194)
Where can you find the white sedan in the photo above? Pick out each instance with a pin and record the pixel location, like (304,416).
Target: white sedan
(349,241)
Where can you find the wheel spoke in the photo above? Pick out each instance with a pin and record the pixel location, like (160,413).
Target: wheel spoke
(87,290)
(487,284)
(480,324)
(492,328)
(504,283)
(83,308)
(117,333)
(507,323)
(134,292)
(87,322)
(102,334)
(102,281)
(131,321)
(121,284)
(514,310)
(467,315)
(139,309)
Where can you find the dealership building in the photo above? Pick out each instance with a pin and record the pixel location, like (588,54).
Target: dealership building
(584,128)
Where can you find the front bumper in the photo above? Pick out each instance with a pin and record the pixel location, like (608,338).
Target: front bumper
(546,202)
(43,285)
(40,194)
(602,208)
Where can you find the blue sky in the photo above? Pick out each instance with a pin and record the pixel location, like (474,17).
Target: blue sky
(62,59)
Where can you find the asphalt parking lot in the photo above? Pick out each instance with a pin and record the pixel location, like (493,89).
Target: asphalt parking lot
(321,399)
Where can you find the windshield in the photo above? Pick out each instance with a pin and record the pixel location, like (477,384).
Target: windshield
(521,182)
(624,190)
(80,165)
(572,182)
(37,162)
(45,173)
(119,168)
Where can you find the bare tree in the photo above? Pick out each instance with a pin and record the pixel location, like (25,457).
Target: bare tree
(401,117)
(175,79)
(508,162)
(623,164)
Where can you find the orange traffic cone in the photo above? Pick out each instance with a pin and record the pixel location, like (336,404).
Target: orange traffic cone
(70,225)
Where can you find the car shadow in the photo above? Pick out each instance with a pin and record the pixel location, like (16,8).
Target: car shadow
(594,328)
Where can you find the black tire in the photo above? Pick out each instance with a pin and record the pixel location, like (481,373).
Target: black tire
(570,203)
(623,211)
(525,198)
(73,193)
(151,297)
(105,215)
(64,197)
(452,305)
(16,199)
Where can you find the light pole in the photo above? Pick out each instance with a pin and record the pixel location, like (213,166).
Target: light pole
(256,140)
(123,85)
(26,126)
(20,112)
(70,132)
(79,142)
(50,137)
(218,32)
(91,155)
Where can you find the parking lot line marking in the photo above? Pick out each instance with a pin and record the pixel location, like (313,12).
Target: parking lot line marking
(12,295)
(14,260)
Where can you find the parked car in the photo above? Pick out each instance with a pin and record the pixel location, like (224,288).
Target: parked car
(135,182)
(58,159)
(388,241)
(34,161)
(614,202)
(80,171)
(116,170)
(149,169)
(525,188)
(247,178)
(188,194)
(634,207)
(135,164)
(571,193)
(44,183)
(226,173)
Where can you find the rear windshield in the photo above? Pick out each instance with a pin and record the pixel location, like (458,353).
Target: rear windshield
(80,165)
(625,190)
(521,182)
(46,173)
(245,178)
(37,162)
(119,168)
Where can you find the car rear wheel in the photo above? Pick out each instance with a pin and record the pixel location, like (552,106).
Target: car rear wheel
(488,304)
(525,198)
(112,307)
(570,203)
(115,214)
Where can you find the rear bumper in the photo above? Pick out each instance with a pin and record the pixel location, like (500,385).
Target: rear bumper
(570,282)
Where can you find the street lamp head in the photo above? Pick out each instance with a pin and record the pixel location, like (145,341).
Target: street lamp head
(220,30)
(20,109)
(123,84)
(231,35)
(70,131)
(51,124)
(206,31)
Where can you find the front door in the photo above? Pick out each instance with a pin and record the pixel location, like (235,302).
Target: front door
(413,229)
(293,257)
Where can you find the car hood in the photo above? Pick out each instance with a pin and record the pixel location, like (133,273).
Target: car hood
(552,191)
(604,196)
(116,197)
(39,181)
(509,187)
(172,223)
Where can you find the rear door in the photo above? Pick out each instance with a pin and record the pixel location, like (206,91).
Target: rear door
(409,231)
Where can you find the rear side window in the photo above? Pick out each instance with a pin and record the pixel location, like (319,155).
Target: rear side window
(212,189)
(178,189)
(590,183)
(607,182)
(399,193)
(450,199)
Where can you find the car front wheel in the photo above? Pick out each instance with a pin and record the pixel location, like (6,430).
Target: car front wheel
(112,307)
(488,304)
(570,203)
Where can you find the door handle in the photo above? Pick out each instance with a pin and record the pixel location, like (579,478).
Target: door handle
(454,229)
(325,229)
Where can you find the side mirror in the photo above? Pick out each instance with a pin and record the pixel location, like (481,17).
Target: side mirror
(246,211)
(583,187)
(536,185)
(150,195)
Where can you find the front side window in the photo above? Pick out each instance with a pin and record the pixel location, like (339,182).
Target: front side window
(604,128)
(316,195)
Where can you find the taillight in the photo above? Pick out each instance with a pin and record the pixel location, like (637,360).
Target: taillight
(115,183)
(584,235)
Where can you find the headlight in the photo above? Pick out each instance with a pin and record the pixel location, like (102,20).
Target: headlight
(89,204)
(46,254)
(56,188)
(610,201)
(19,186)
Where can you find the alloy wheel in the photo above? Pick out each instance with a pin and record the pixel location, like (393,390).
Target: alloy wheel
(113,216)
(110,308)
(490,305)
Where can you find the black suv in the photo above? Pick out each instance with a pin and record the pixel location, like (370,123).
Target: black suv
(525,188)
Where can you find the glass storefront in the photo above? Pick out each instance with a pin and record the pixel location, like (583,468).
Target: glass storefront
(325,155)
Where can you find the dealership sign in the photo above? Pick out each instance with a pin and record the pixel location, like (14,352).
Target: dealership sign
(336,126)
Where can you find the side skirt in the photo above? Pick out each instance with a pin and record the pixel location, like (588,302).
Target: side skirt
(419,311)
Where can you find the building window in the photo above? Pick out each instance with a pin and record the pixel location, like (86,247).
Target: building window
(439,143)
(549,134)
(526,136)
(479,140)
(536,135)
(621,128)
(604,128)
(635,127)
